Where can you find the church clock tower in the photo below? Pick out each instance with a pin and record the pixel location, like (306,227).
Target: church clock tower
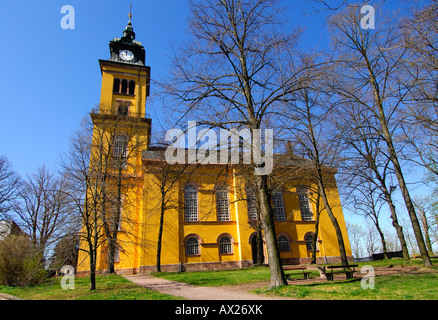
(125,77)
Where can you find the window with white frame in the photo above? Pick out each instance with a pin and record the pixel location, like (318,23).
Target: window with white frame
(222,204)
(192,246)
(225,245)
(278,206)
(252,204)
(303,198)
(309,241)
(191,203)
(283,244)
(120,149)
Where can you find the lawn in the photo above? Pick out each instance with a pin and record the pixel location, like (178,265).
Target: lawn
(109,287)
(421,284)
(219,278)
(418,285)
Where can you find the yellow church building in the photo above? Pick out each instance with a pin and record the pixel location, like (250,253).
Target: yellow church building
(210,211)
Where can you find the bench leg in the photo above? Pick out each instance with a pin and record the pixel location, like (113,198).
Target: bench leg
(329,276)
(349,275)
(306,276)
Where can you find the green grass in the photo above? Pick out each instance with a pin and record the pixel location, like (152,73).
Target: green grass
(219,278)
(109,287)
(418,285)
(392,287)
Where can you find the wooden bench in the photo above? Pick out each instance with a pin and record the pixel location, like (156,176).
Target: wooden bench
(293,268)
(345,269)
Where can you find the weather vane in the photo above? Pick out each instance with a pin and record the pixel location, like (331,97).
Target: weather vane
(130,11)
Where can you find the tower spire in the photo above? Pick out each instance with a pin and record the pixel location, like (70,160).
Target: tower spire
(130,12)
(129,31)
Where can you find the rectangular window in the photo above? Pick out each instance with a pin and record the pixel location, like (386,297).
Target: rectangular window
(303,198)
(222,204)
(252,204)
(191,203)
(278,206)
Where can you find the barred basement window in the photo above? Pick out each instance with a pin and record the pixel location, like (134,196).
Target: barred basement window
(303,198)
(191,203)
(283,244)
(278,206)
(222,204)
(192,247)
(225,245)
(252,204)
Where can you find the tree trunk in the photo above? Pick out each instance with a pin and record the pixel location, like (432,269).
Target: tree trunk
(335,223)
(160,232)
(315,238)
(277,274)
(397,166)
(397,226)
(425,224)
(92,257)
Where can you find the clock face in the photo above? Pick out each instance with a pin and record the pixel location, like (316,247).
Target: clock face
(126,55)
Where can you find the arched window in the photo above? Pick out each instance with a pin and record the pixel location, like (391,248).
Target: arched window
(278,206)
(132,87)
(124,86)
(192,246)
(116,85)
(120,146)
(191,203)
(222,204)
(283,244)
(303,198)
(251,203)
(309,241)
(225,245)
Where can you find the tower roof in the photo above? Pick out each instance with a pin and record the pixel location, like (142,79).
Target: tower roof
(128,42)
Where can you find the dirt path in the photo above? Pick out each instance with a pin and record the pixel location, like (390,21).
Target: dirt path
(190,292)
(238,292)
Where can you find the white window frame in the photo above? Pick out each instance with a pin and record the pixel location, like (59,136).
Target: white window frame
(192,246)
(120,149)
(251,203)
(225,245)
(304,201)
(283,244)
(222,204)
(278,206)
(191,203)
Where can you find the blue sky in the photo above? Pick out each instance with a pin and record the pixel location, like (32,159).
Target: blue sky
(51,76)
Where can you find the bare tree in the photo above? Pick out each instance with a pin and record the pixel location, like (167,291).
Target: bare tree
(85,193)
(369,65)
(367,203)
(364,162)
(9,185)
(43,210)
(238,66)
(309,115)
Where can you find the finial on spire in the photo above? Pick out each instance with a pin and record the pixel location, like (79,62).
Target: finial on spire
(130,12)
